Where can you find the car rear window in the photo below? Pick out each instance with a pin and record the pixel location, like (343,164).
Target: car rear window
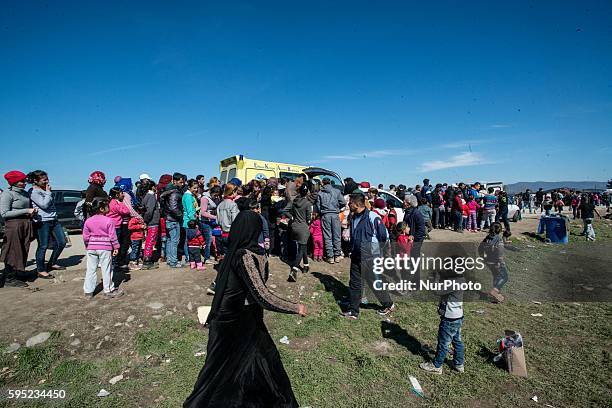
(70,197)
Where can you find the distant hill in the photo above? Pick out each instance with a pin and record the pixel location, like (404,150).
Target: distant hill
(547,185)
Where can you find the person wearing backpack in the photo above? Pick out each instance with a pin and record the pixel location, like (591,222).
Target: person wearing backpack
(368,235)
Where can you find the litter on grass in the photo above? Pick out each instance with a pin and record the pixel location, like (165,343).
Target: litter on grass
(537,314)
(103,393)
(116,379)
(416,387)
(284,340)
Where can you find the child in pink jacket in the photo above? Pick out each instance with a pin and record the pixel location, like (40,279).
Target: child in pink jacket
(473,207)
(120,214)
(101,243)
(317,237)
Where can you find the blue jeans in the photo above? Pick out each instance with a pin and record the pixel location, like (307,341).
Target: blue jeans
(173,229)
(500,275)
(135,254)
(207,233)
(45,230)
(449,332)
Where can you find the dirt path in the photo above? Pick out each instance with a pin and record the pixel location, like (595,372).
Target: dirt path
(59,304)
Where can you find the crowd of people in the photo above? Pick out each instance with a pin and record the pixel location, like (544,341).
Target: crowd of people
(194,222)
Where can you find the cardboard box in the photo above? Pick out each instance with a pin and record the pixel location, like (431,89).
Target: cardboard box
(515,360)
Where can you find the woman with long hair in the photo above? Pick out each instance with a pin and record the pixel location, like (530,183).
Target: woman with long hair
(243,367)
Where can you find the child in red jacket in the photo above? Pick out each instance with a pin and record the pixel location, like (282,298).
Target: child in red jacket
(404,240)
(137,228)
(195,243)
(465,211)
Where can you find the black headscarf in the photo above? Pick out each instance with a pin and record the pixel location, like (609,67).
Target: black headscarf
(243,235)
(350,187)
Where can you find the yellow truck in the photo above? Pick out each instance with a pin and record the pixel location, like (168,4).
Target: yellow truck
(247,169)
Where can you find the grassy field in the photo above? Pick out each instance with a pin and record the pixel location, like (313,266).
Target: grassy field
(337,363)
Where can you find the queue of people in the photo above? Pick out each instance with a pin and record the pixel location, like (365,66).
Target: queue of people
(189,222)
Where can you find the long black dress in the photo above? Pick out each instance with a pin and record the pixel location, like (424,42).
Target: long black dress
(243,366)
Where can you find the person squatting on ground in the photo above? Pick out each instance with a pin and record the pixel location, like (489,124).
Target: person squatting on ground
(492,249)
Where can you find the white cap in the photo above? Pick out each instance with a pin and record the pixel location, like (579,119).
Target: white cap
(144,176)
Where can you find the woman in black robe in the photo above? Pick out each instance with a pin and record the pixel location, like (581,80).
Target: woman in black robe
(243,367)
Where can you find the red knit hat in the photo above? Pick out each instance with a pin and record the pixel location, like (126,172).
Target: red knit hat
(364,184)
(379,203)
(14,176)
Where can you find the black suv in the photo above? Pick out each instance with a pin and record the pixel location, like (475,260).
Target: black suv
(65,203)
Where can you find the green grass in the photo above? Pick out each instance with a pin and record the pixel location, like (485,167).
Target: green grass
(337,363)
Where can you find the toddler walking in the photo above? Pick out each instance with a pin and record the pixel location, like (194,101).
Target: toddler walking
(195,243)
(450,310)
(101,243)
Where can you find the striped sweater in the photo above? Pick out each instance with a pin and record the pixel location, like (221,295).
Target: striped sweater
(99,233)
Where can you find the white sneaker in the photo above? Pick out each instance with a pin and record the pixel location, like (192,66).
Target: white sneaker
(429,367)
(459,368)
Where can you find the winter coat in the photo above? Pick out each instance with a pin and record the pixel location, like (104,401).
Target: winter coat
(330,200)
(171,203)
(152,214)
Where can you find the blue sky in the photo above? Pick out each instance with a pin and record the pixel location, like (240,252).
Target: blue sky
(389,92)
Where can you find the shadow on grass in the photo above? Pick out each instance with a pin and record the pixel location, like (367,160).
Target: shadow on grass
(535,236)
(488,355)
(340,291)
(394,332)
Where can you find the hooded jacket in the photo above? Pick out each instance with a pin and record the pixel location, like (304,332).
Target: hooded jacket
(152,214)
(330,200)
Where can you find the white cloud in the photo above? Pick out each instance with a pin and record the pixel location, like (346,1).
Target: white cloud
(122,148)
(372,154)
(340,157)
(500,126)
(461,160)
(465,143)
